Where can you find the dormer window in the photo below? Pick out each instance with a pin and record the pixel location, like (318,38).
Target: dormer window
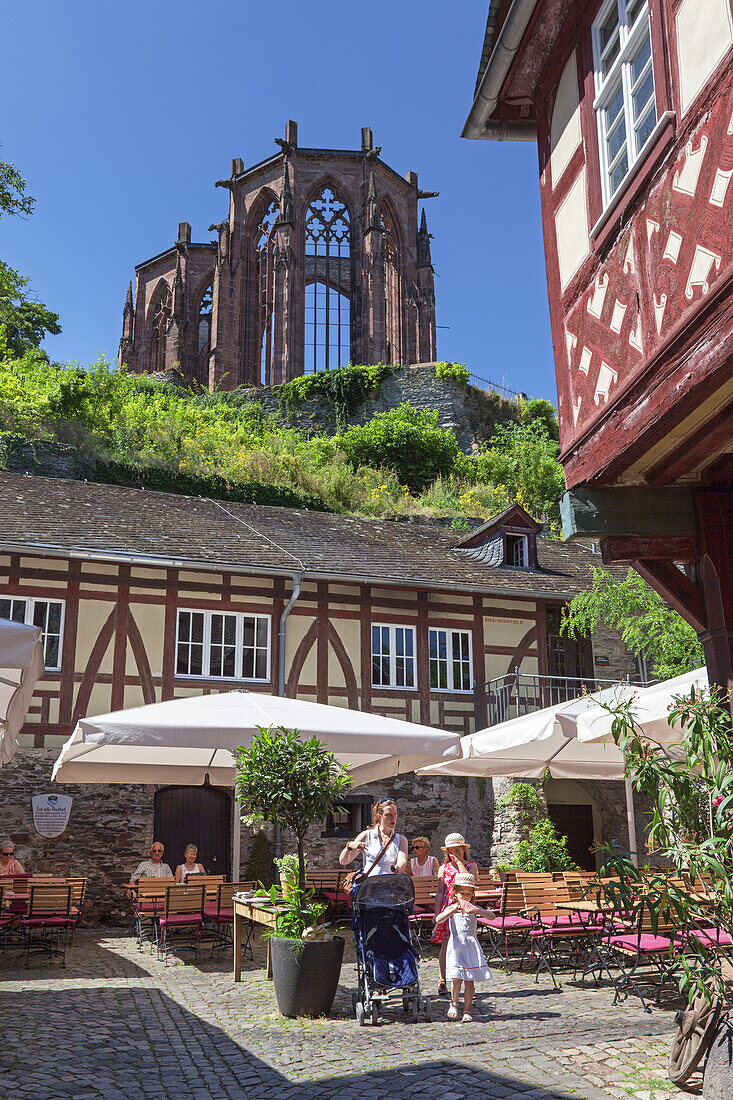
(508,540)
(517,551)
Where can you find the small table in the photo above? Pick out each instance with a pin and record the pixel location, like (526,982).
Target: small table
(260,914)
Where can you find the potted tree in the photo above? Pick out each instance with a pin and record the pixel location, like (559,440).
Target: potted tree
(294,783)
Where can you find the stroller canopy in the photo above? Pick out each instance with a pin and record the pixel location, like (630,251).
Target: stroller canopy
(387,890)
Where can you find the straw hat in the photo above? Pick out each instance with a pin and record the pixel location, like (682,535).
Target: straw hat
(455,840)
(464,879)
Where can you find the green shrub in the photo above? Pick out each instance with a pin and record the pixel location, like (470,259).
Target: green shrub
(455,372)
(260,865)
(405,440)
(523,799)
(544,850)
(346,388)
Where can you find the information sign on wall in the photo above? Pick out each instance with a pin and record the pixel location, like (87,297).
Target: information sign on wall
(51,813)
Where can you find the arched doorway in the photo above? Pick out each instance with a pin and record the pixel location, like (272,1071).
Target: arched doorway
(195,815)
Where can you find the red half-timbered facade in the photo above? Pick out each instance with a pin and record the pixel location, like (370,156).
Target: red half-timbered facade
(145,596)
(630,102)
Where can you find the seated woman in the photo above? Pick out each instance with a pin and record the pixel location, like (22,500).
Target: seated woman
(9,865)
(380,847)
(422,863)
(189,865)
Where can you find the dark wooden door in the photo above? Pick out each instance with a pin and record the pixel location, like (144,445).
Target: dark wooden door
(576,823)
(195,815)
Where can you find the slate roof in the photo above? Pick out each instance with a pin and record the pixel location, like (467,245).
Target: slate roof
(59,516)
(492,20)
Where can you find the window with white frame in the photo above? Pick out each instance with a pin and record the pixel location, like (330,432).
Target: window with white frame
(393,656)
(625,103)
(223,645)
(517,551)
(48,614)
(450,660)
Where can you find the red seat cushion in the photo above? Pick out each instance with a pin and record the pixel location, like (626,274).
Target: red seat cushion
(647,944)
(45,922)
(149,906)
(181,919)
(224,916)
(558,920)
(508,924)
(716,936)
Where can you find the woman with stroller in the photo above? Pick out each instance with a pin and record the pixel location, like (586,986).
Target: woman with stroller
(381,847)
(456,863)
(466,963)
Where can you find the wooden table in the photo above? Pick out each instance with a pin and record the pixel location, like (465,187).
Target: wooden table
(260,914)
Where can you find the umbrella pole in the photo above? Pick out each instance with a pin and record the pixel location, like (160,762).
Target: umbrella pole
(236,838)
(631,819)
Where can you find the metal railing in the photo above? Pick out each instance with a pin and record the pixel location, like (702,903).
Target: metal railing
(484,384)
(519,693)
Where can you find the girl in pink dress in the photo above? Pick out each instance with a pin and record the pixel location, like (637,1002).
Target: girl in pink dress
(456,862)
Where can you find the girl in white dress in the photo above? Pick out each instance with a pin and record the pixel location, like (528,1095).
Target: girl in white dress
(465,962)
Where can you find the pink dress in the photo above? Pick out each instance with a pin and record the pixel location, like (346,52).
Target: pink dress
(442,931)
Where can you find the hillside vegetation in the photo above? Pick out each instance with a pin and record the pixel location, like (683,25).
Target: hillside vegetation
(132,429)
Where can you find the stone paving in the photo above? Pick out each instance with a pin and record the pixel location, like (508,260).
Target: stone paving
(116,1023)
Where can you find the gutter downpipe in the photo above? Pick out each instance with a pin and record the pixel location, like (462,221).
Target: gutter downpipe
(282,632)
(487,97)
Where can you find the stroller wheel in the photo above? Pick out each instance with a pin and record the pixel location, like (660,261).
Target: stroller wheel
(353,1001)
(415,1009)
(405,1003)
(359,1010)
(428,1010)
(375,1013)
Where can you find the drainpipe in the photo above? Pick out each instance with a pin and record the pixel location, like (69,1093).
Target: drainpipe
(297,581)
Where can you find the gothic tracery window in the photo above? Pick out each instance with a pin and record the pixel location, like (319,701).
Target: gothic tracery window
(392,294)
(264,244)
(159,328)
(328,283)
(204,334)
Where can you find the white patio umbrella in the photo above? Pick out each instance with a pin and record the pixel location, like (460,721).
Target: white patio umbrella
(528,746)
(186,740)
(651,710)
(21,666)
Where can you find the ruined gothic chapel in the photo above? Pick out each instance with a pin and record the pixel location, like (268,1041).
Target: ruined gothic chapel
(321,262)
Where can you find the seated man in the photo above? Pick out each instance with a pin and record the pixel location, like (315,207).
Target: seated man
(153,867)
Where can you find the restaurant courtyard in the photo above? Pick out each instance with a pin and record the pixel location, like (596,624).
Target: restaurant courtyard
(117,1023)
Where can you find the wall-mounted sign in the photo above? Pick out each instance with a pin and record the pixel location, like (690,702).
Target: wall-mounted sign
(51,813)
(504,619)
(603,661)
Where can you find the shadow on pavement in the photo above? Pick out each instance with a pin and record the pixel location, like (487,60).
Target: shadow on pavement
(139,1044)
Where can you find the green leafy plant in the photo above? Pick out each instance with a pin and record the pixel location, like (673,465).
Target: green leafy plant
(544,850)
(346,388)
(406,440)
(455,372)
(688,845)
(289,781)
(523,799)
(260,866)
(646,624)
(297,907)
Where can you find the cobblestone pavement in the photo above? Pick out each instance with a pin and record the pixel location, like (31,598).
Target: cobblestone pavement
(116,1023)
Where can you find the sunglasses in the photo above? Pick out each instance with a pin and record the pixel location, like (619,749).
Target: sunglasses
(157,851)
(11,853)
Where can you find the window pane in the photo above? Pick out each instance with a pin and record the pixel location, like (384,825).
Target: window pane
(13,609)
(619,172)
(248,664)
(638,64)
(609,28)
(615,108)
(261,665)
(196,666)
(40,611)
(632,11)
(646,128)
(184,626)
(52,651)
(616,141)
(249,631)
(263,630)
(197,626)
(643,94)
(54,617)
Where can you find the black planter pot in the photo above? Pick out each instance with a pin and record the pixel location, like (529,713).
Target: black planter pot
(306,975)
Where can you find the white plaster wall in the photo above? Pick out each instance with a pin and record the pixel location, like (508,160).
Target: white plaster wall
(704,35)
(565,133)
(571,231)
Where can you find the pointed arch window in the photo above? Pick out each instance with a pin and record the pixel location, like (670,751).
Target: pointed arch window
(392,293)
(265,236)
(328,283)
(204,334)
(159,328)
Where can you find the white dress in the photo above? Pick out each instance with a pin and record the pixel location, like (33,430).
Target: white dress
(465,959)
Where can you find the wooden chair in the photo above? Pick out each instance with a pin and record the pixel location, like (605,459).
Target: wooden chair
(642,953)
(211,884)
(150,902)
(328,884)
(48,922)
(422,916)
(6,919)
(558,935)
(219,912)
(184,912)
(508,932)
(78,893)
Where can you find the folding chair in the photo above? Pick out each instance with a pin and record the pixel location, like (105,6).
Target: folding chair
(640,946)
(558,935)
(509,926)
(184,912)
(423,915)
(78,893)
(5,918)
(149,904)
(48,921)
(220,914)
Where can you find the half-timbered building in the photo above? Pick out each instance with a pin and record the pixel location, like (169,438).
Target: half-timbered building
(145,596)
(630,104)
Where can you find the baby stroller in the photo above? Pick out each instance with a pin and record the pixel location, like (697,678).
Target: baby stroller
(386,957)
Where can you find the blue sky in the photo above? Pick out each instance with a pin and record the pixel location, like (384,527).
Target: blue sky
(122,116)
